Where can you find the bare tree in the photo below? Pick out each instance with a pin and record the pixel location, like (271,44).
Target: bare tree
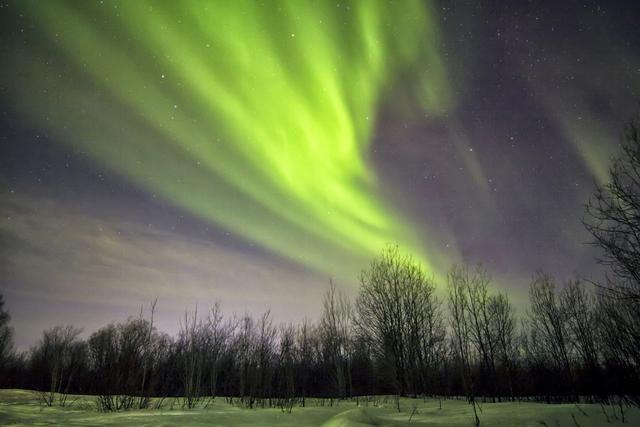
(619,332)
(430,341)
(216,340)
(305,346)
(286,362)
(579,306)
(58,355)
(458,281)
(549,323)
(502,328)
(191,346)
(395,304)
(480,320)
(122,358)
(6,336)
(244,352)
(147,351)
(613,217)
(335,329)
(104,357)
(265,352)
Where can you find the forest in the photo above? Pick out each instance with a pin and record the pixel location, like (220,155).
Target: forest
(403,334)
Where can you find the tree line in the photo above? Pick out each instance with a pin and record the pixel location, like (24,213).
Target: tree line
(575,341)
(397,337)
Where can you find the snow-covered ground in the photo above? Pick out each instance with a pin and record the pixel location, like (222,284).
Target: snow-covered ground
(19,407)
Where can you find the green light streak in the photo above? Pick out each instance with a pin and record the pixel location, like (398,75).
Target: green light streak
(255,116)
(585,131)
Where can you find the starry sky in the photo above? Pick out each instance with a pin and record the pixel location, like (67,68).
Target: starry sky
(248,151)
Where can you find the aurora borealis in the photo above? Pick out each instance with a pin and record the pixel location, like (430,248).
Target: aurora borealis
(254,117)
(250,150)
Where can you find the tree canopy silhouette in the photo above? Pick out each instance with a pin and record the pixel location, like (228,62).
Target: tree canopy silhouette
(613,216)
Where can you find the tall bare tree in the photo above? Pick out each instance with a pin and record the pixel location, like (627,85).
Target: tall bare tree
(549,322)
(265,353)
(286,363)
(216,337)
(6,336)
(502,328)
(395,304)
(579,306)
(480,321)
(335,330)
(191,344)
(305,347)
(147,348)
(458,283)
(58,354)
(613,217)
(619,332)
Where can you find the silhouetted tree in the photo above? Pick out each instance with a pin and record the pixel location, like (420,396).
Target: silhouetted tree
(619,335)
(479,317)
(335,337)
(613,217)
(216,342)
(58,357)
(122,359)
(458,281)
(549,325)
(6,337)
(286,366)
(305,348)
(579,306)
(244,349)
(191,346)
(395,303)
(502,330)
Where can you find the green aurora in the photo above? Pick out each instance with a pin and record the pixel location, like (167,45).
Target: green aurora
(255,116)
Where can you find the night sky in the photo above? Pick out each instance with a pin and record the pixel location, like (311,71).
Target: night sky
(249,151)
